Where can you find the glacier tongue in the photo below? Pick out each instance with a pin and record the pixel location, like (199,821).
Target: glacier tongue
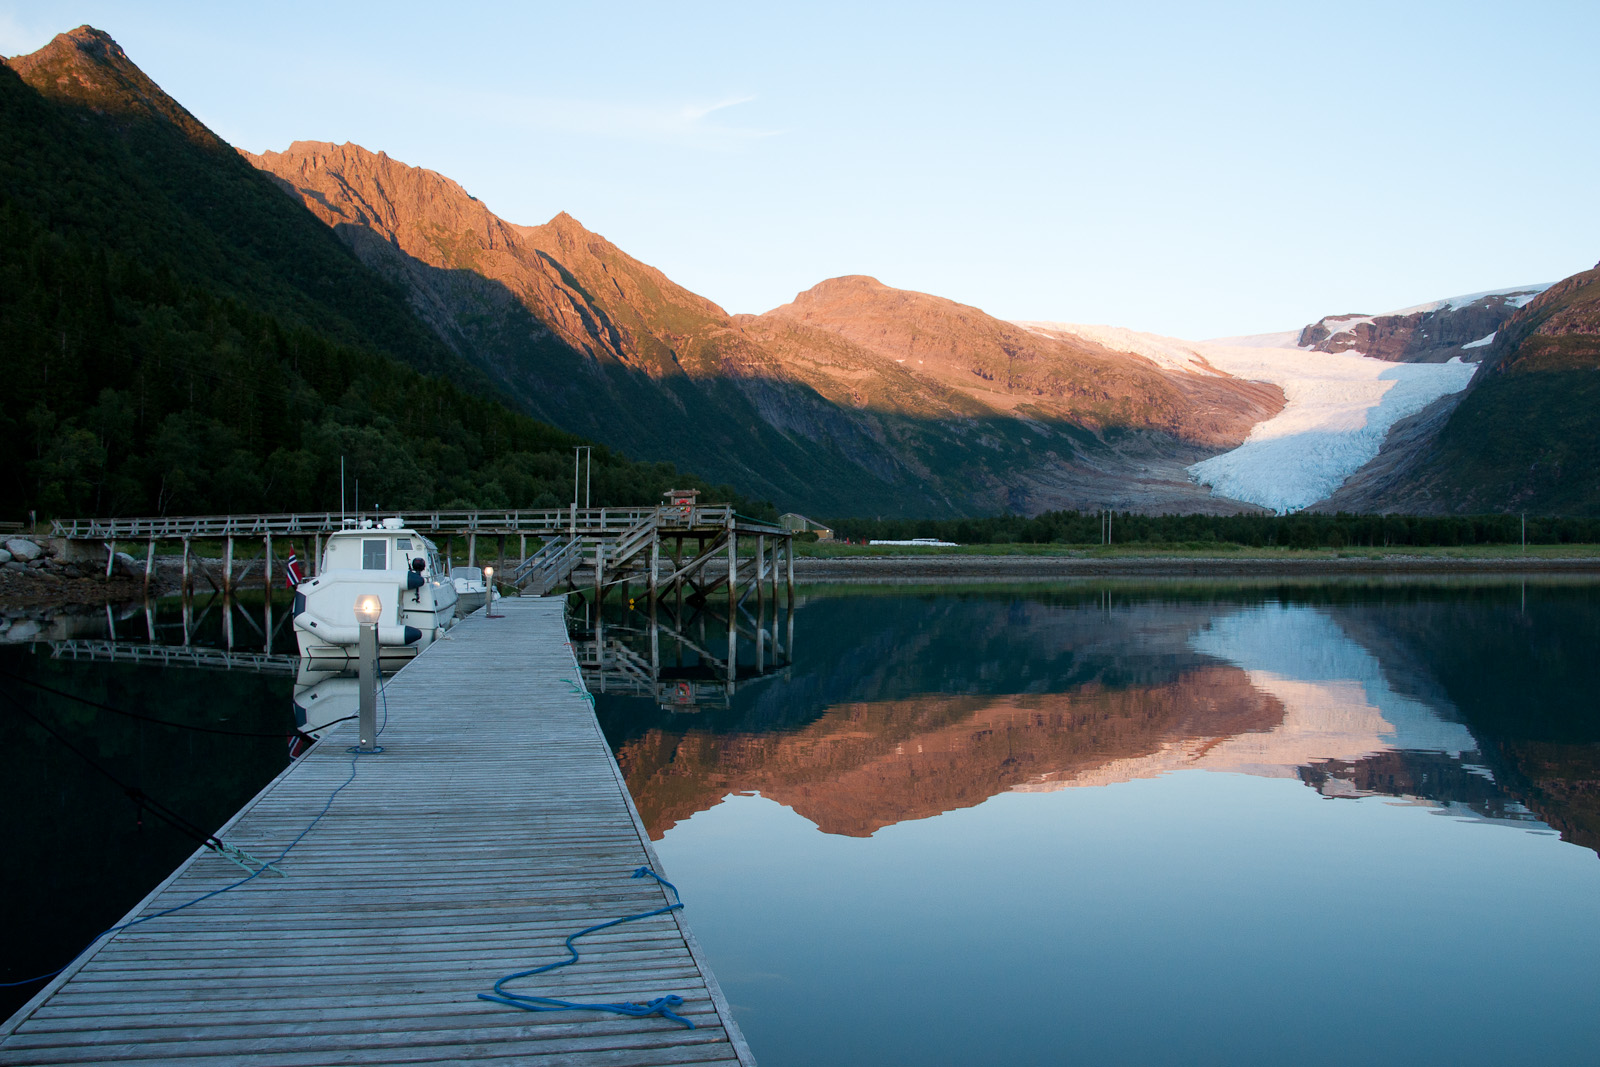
(1338,409)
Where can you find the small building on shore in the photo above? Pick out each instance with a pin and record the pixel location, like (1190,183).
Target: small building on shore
(797,523)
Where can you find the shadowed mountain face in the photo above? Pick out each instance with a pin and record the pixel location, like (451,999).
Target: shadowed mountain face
(1524,437)
(822,409)
(100,151)
(179,336)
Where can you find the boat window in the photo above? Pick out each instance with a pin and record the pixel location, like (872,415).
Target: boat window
(375,555)
(403,544)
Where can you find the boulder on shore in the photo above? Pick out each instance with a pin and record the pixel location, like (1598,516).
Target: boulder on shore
(128,567)
(5,557)
(23,549)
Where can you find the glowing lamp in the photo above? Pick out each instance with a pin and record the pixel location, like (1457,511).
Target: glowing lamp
(368,608)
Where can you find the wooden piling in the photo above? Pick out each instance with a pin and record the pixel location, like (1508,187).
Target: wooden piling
(655,565)
(149,569)
(761,573)
(733,573)
(227,569)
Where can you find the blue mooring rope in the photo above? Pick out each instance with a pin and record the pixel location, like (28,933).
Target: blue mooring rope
(661,1006)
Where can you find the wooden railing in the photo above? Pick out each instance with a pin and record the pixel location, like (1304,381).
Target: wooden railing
(589,522)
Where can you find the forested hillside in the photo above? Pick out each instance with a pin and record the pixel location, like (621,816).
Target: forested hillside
(179,336)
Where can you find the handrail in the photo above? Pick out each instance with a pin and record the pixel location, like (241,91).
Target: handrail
(585,521)
(173,655)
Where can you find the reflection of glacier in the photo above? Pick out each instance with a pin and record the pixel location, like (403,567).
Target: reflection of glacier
(1337,705)
(1344,729)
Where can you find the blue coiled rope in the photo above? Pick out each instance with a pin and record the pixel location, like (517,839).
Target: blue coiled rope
(661,1006)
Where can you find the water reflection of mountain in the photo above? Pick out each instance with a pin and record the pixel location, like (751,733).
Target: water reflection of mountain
(1515,663)
(940,703)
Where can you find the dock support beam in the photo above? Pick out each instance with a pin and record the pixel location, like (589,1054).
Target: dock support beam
(789,558)
(655,565)
(227,574)
(472,549)
(761,573)
(733,580)
(316,559)
(185,587)
(149,568)
(266,569)
(111,558)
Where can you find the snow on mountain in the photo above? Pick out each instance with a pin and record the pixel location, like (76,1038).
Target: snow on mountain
(1282,339)
(1166,352)
(1516,296)
(1339,408)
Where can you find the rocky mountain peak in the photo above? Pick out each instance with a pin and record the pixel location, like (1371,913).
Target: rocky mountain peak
(88,68)
(1458,327)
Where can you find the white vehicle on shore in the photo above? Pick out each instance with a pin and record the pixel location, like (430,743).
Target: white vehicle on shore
(397,565)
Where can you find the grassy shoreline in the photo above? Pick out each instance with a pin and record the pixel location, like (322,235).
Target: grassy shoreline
(1222,552)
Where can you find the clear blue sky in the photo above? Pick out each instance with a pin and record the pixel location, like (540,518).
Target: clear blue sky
(1190,169)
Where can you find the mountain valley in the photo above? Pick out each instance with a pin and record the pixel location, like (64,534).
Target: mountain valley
(853,398)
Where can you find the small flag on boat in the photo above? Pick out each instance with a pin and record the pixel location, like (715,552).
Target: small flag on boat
(292,575)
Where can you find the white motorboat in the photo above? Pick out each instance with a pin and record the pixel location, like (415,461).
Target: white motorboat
(471,589)
(390,561)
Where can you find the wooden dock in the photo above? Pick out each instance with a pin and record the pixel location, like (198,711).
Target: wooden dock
(494,824)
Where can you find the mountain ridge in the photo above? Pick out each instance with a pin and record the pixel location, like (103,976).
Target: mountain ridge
(574,327)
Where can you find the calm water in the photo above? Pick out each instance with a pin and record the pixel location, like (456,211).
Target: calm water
(1182,823)
(79,850)
(1170,825)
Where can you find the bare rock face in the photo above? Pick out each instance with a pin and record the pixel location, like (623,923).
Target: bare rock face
(1433,333)
(86,67)
(1004,367)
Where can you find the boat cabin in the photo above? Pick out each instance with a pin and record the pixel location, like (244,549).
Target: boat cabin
(389,547)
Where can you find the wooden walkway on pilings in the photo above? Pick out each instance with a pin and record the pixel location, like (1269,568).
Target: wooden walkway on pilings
(686,550)
(494,824)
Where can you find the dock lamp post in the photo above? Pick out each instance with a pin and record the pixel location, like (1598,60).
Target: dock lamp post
(488,593)
(368,609)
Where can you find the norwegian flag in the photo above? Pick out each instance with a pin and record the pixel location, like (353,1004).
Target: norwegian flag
(292,576)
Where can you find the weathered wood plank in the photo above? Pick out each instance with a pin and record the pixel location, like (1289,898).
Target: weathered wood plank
(488,831)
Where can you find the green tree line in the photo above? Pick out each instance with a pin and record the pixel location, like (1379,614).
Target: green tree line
(1300,530)
(133,391)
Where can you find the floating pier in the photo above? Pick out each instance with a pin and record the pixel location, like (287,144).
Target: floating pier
(494,824)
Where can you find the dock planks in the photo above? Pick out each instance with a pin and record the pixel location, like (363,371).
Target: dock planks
(494,824)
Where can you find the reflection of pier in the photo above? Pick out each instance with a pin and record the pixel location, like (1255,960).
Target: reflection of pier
(173,656)
(672,662)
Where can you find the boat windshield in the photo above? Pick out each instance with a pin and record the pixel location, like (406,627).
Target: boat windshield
(467,574)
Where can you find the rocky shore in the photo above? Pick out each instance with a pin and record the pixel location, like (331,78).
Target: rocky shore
(37,572)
